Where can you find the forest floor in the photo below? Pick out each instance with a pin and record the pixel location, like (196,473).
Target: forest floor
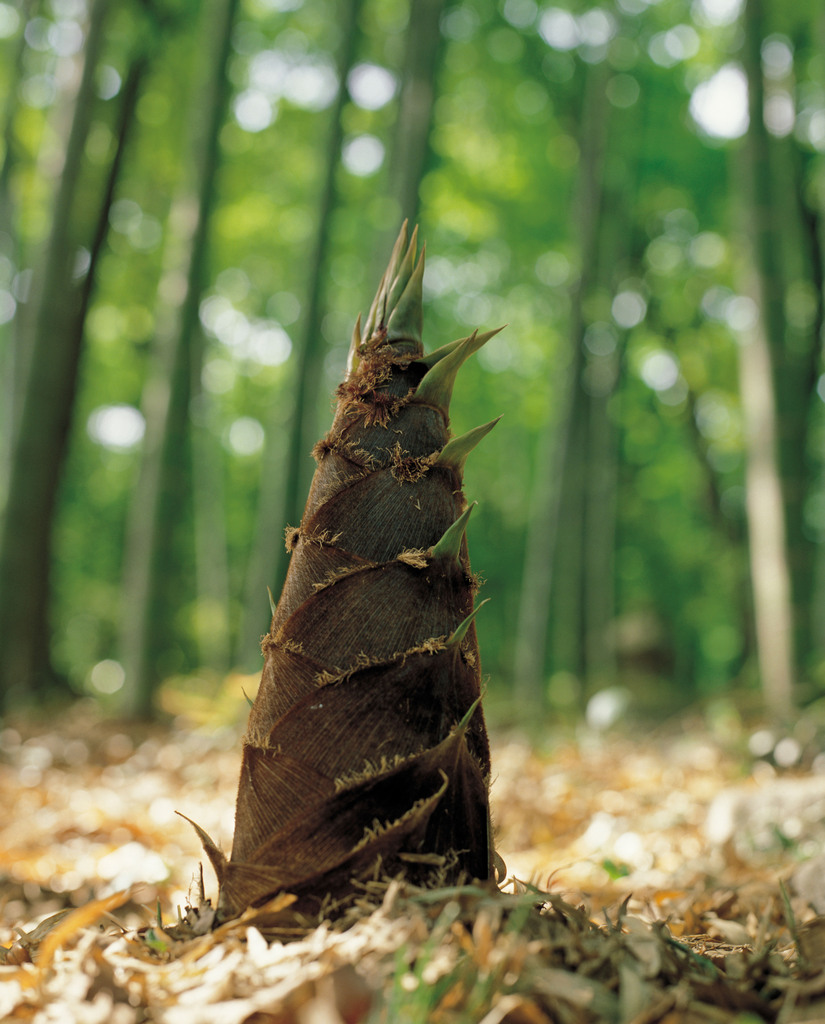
(655,876)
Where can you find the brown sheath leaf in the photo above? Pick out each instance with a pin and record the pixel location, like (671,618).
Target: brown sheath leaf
(366,754)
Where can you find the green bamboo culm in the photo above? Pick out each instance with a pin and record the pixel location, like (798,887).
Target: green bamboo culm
(366,754)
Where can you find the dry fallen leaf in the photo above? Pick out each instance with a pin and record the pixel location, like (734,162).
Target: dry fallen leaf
(654,941)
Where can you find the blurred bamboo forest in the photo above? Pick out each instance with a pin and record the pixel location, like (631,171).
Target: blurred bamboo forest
(197,197)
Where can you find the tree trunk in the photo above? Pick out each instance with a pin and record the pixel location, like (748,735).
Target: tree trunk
(211,546)
(156,504)
(804,206)
(781,556)
(566,621)
(42,429)
(538,573)
(601,481)
(281,500)
(553,557)
(410,148)
(13,384)
(770,577)
(814,220)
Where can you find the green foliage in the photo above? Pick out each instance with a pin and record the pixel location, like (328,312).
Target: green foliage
(498,211)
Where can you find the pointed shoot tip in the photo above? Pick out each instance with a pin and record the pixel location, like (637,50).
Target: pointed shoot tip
(211,849)
(353,358)
(436,386)
(447,549)
(462,628)
(454,453)
(405,323)
(468,714)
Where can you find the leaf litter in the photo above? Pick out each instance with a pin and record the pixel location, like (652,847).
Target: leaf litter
(627,901)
